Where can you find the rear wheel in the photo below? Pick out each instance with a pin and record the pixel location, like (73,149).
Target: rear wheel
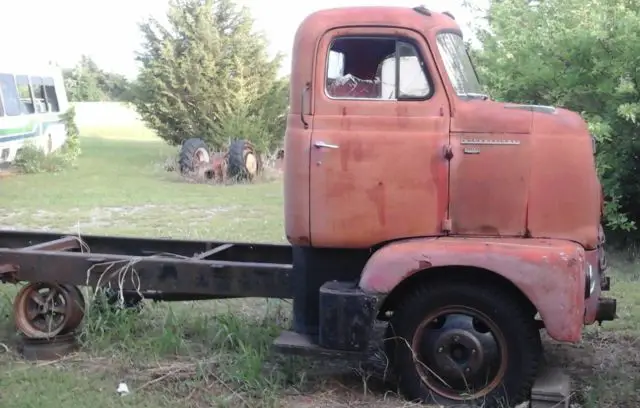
(193,154)
(243,161)
(456,342)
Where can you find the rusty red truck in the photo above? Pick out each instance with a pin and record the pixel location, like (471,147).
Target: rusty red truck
(464,224)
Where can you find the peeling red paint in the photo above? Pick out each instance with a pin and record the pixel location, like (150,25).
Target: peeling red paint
(389,156)
(549,272)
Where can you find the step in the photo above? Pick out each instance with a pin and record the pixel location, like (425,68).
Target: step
(552,388)
(290,342)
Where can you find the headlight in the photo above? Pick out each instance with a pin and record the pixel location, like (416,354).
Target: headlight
(590,281)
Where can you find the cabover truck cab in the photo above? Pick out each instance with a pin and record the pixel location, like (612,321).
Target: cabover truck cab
(411,197)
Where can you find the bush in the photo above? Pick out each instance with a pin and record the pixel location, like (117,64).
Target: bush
(583,56)
(32,160)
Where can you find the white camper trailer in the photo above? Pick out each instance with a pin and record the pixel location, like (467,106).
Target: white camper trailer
(32,99)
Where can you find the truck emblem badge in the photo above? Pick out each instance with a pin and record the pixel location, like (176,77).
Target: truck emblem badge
(489,142)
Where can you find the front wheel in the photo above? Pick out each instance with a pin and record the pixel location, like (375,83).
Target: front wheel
(456,342)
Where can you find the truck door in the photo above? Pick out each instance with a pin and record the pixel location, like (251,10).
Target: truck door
(378,171)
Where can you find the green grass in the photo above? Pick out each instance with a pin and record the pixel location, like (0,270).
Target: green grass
(120,187)
(196,354)
(204,354)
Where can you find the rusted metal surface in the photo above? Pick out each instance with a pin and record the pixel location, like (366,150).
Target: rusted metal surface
(7,273)
(216,169)
(164,274)
(500,178)
(45,310)
(240,251)
(214,251)
(442,340)
(389,162)
(290,342)
(592,302)
(388,151)
(78,306)
(47,349)
(551,273)
(61,244)
(534,190)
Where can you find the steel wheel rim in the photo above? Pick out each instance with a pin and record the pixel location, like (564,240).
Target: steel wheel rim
(251,163)
(200,156)
(42,310)
(440,344)
(76,305)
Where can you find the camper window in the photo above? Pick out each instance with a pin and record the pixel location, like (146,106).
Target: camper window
(9,95)
(50,95)
(24,91)
(37,87)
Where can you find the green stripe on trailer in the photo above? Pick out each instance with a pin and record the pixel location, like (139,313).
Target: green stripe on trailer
(27,131)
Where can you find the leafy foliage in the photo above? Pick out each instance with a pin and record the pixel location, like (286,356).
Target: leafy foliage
(86,82)
(71,149)
(582,55)
(31,159)
(207,74)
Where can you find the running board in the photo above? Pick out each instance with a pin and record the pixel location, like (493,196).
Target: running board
(290,342)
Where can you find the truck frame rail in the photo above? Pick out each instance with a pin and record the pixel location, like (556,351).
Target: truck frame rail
(162,269)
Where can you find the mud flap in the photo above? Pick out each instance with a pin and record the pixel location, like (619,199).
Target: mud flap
(347,315)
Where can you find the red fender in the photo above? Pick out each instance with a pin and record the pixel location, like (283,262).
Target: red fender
(551,273)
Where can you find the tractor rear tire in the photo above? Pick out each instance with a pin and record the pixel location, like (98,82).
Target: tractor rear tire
(243,163)
(456,342)
(193,152)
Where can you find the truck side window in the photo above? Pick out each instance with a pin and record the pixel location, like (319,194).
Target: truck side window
(458,64)
(365,68)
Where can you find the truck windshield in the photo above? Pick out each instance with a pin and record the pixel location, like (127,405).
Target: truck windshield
(459,66)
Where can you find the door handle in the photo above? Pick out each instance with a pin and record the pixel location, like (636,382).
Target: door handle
(325,145)
(302,98)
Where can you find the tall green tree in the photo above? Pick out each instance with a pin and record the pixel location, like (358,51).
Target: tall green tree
(82,81)
(583,55)
(208,74)
(87,82)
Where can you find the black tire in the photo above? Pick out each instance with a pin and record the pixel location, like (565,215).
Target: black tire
(237,161)
(515,328)
(188,151)
(131,299)
(111,298)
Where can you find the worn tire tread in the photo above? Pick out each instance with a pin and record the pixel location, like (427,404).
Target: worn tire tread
(236,167)
(514,319)
(187,152)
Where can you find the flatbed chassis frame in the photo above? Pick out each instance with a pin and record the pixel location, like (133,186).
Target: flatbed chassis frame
(174,270)
(160,269)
